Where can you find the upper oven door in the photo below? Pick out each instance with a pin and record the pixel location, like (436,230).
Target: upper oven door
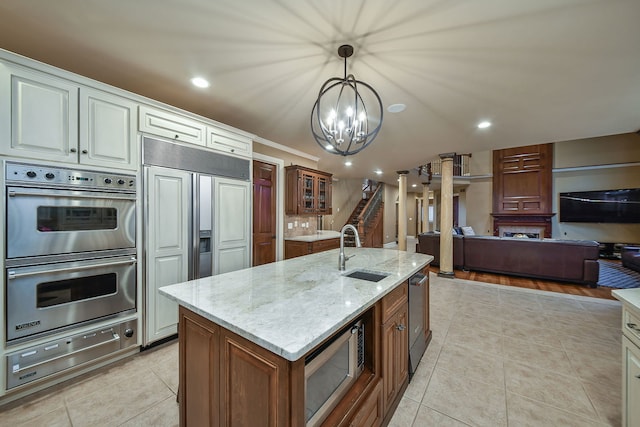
(48,221)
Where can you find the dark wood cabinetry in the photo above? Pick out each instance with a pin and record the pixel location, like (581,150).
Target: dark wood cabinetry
(308,191)
(522,187)
(296,248)
(226,379)
(395,345)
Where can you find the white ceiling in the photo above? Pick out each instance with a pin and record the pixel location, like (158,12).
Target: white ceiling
(541,71)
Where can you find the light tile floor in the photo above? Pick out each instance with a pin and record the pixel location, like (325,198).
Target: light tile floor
(499,357)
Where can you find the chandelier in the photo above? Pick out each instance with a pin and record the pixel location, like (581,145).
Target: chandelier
(347,115)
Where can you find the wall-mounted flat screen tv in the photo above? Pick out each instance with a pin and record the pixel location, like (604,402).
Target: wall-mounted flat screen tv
(610,206)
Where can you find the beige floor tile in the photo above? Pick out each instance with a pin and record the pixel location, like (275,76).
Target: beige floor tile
(523,412)
(466,400)
(119,402)
(485,323)
(479,340)
(470,364)
(518,315)
(538,355)
(609,349)
(608,402)
(428,417)
(57,418)
(606,372)
(164,414)
(548,387)
(32,407)
(405,413)
(560,304)
(531,333)
(519,299)
(165,366)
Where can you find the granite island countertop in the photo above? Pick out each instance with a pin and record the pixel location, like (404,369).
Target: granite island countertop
(319,235)
(289,307)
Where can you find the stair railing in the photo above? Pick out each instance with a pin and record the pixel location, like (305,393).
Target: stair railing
(370,209)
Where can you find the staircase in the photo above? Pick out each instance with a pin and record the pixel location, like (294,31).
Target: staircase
(367,217)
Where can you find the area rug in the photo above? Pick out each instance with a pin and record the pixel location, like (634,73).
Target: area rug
(614,275)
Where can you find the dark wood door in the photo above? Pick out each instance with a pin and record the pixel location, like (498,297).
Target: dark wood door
(264,213)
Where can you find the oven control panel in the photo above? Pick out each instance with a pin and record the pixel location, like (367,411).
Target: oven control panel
(38,174)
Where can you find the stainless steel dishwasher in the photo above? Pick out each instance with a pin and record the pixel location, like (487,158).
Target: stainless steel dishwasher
(417,337)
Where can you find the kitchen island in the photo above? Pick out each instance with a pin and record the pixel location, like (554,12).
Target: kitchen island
(244,336)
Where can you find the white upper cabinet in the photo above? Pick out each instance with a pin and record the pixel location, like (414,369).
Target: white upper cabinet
(172,126)
(229,142)
(38,115)
(108,126)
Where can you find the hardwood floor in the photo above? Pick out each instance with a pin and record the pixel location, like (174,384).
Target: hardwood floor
(524,282)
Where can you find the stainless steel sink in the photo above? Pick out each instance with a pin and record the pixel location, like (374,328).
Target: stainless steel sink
(371,276)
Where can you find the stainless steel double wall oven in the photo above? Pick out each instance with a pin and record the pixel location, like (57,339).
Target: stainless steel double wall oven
(70,261)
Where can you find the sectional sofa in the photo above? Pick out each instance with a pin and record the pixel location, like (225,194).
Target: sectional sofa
(573,261)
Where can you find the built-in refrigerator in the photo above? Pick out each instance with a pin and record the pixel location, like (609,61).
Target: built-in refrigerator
(197,212)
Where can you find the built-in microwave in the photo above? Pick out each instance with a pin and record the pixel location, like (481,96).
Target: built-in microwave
(331,370)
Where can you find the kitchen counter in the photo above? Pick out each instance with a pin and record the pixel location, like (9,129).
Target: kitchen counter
(289,307)
(628,296)
(320,235)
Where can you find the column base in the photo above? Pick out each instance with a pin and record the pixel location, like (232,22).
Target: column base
(446,275)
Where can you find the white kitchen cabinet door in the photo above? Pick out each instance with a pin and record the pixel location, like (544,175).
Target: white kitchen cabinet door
(172,126)
(108,128)
(232,225)
(229,142)
(38,115)
(631,383)
(168,200)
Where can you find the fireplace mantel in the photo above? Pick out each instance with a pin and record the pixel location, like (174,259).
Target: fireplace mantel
(522,220)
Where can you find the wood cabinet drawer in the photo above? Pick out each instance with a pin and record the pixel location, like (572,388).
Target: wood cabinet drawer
(325,245)
(631,325)
(370,412)
(394,300)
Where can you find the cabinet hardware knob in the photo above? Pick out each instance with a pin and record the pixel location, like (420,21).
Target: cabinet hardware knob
(638,377)
(85,151)
(633,326)
(401,327)
(73,150)
(177,136)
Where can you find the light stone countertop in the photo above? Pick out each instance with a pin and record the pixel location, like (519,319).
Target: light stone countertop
(289,307)
(320,235)
(628,296)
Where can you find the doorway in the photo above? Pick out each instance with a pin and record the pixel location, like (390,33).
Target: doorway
(264,212)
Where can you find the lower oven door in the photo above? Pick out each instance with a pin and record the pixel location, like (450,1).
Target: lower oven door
(47,298)
(49,222)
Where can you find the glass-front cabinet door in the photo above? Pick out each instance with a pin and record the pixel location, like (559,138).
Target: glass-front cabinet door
(308,192)
(324,194)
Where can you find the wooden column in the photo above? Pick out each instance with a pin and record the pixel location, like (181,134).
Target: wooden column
(425,207)
(402,210)
(446,216)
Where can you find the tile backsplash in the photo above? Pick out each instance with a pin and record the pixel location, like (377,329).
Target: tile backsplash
(300,225)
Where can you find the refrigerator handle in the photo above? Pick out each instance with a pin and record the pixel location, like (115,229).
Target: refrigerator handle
(194,262)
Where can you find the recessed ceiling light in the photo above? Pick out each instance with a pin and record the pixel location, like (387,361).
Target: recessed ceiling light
(379,172)
(199,82)
(414,185)
(348,163)
(396,108)
(484,124)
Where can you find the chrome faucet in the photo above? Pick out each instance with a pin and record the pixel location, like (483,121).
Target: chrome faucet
(341,258)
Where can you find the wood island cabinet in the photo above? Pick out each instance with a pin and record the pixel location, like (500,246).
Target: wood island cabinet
(296,248)
(228,380)
(308,191)
(395,344)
